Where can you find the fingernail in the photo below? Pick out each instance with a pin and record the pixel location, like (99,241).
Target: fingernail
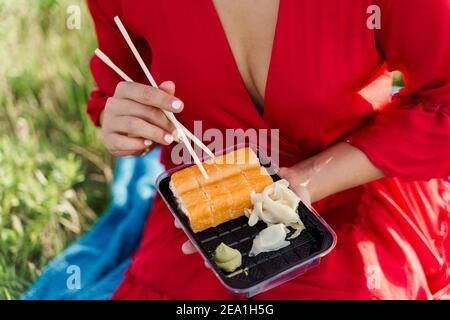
(168,138)
(176,136)
(176,104)
(147,143)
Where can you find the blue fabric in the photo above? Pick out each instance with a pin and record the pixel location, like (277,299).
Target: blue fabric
(396,89)
(103,254)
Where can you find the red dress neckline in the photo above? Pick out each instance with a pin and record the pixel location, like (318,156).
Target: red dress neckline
(225,44)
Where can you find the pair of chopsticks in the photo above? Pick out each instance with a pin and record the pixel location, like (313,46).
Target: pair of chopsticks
(182,131)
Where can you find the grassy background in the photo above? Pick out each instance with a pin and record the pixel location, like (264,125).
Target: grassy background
(54,173)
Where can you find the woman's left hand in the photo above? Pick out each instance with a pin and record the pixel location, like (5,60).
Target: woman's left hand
(187,247)
(298,183)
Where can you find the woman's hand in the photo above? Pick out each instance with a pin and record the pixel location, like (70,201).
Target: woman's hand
(187,247)
(133,119)
(298,182)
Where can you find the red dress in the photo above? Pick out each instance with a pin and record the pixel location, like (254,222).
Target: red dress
(328,82)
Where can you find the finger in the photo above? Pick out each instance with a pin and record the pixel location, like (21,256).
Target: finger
(177,224)
(299,189)
(148,96)
(146,151)
(283,172)
(127,107)
(304,195)
(168,87)
(139,128)
(188,248)
(123,153)
(118,142)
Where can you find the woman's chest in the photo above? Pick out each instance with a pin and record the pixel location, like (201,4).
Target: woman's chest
(249,26)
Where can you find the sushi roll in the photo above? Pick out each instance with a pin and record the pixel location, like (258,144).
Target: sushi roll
(225,195)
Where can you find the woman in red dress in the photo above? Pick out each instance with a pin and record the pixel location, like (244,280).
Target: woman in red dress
(319,71)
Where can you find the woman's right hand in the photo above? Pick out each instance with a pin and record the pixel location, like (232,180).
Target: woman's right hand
(133,119)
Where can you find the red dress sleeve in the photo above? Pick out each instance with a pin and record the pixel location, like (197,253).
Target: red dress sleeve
(111,42)
(410,138)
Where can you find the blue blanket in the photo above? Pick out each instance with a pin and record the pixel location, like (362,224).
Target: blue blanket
(92,267)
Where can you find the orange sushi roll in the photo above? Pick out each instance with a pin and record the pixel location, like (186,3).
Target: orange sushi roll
(221,202)
(225,195)
(242,200)
(184,180)
(192,196)
(257,178)
(246,159)
(214,174)
(200,215)
(197,207)
(228,169)
(240,192)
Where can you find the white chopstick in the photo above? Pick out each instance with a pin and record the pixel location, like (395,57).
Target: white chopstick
(169,115)
(99,53)
(102,56)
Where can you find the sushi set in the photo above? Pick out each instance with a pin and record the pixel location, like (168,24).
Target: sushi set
(252,230)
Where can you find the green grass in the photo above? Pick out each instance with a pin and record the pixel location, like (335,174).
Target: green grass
(54,172)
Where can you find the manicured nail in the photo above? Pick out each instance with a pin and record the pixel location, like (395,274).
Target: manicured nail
(176,104)
(176,136)
(147,143)
(168,138)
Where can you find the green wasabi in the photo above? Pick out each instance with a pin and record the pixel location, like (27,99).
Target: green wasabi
(226,258)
